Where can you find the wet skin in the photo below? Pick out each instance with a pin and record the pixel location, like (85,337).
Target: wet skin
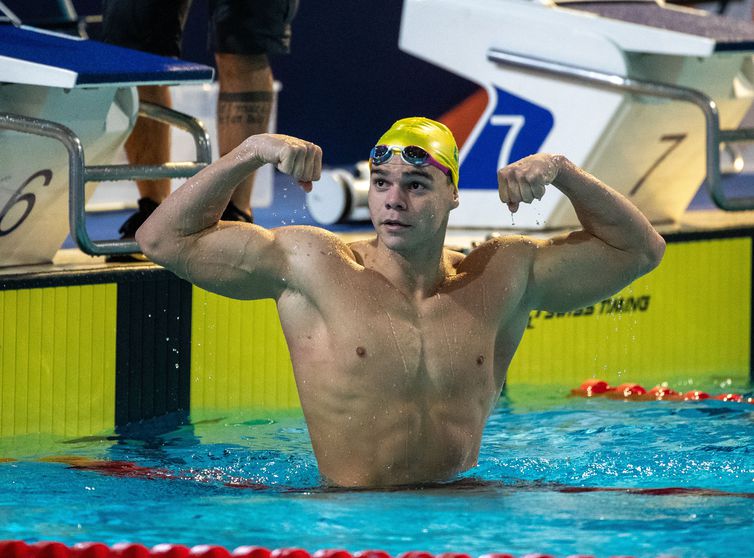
(399,346)
(397,377)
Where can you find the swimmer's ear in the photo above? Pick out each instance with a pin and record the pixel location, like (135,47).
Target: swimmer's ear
(456,199)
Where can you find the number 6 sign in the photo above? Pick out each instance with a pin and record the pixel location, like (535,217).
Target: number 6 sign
(7,212)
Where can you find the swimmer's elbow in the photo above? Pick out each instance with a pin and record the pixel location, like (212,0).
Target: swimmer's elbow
(147,240)
(652,253)
(155,244)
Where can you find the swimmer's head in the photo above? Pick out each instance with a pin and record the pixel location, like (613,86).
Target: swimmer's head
(435,141)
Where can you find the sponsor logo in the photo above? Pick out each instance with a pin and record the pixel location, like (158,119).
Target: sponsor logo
(515,129)
(613,305)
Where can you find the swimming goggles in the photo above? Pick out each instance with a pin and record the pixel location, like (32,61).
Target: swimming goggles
(411,154)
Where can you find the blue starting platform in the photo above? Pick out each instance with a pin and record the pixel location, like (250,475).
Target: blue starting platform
(67,105)
(40,57)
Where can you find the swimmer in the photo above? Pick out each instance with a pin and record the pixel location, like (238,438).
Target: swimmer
(400,347)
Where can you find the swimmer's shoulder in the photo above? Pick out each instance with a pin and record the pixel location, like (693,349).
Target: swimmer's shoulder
(506,250)
(362,250)
(308,240)
(453,257)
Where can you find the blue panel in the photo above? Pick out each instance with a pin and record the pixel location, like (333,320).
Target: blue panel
(96,62)
(480,164)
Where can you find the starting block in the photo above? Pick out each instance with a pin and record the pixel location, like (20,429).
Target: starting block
(63,98)
(640,94)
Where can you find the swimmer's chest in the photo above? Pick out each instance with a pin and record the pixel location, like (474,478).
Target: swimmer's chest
(442,343)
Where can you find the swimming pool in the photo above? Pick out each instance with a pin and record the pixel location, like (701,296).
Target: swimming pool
(557,474)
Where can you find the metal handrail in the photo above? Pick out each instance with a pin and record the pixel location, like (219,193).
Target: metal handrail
(101,173)
(714,135)
(79,174)
(13,18)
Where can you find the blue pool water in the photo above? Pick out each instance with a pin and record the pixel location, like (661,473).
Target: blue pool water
(561,476)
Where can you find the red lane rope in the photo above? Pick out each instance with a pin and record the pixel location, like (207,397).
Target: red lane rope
(51,549)
(636,392)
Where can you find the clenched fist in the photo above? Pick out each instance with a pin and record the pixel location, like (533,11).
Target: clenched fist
(525,180)
(298,158)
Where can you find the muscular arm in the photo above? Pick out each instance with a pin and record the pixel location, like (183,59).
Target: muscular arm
(615,246)
(238,260)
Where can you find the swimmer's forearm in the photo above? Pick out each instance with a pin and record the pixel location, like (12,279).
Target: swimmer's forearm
(193,211)
(608,215)
(171,232)
(201,200)
(199,203)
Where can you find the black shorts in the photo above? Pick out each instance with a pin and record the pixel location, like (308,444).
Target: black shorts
(236,26)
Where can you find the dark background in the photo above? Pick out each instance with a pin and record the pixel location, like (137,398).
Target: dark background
(345,80)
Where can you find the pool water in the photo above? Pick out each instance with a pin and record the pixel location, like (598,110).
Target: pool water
(556,475)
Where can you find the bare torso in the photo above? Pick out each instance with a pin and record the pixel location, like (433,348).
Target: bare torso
(397,390)
(399,348)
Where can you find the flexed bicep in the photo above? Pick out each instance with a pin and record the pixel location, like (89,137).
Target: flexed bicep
(245,261)
(237,260)
(575,270)
(616,245)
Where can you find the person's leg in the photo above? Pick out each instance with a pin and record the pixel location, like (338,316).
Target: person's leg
(149,143)
(243,34)
(243,108)
(153,26)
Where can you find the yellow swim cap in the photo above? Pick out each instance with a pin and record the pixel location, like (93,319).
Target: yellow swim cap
(432,136)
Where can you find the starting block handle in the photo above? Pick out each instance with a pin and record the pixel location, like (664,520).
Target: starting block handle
(713,137)
(79,174)
(77,200)
(104,173)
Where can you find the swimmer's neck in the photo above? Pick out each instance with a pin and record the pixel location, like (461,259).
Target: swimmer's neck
(418,273)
